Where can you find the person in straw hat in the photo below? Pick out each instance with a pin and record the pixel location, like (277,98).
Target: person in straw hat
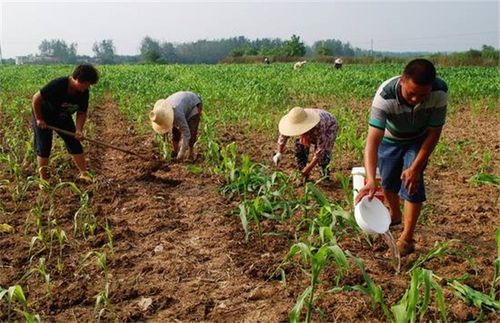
(313,127)
(180,114)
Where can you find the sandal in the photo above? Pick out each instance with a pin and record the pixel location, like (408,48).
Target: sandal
(85,177)
(405,247)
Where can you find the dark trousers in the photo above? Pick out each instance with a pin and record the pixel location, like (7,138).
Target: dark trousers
(43,137)
(302,155)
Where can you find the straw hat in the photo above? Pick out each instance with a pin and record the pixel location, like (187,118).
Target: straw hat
(298,121)
(162,117)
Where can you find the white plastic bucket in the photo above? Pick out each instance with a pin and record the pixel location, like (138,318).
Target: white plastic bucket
(359,180)
(372,216)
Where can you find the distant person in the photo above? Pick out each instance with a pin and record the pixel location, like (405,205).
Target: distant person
(266,61)
(180,114)
(338,63)
(407,116)
(54,105)
(313,127)
(298,65)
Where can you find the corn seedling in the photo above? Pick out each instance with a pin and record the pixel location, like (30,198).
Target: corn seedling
(345,184)
(496,273)
(485,179)
(42,271)
(103,303)
(370,288)
(109,235)
(473,297)
(84,220)
(439,250)
(61,238)
(315,259)
(16,294)
(413,303)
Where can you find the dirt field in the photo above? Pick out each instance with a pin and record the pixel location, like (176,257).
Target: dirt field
(177,242)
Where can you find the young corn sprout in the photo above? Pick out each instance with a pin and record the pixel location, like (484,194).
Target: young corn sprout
(13,295)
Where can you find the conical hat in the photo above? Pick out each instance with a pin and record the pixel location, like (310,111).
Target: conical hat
(298,121)
(162,117)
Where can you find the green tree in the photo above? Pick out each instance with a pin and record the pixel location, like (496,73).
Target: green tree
(322,50)
(104,51)
(58,48)
(293,47)
(150,50)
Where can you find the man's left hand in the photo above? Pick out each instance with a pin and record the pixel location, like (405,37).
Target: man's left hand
(410,178)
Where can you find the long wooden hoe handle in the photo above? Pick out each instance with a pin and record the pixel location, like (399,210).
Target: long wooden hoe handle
(69,133)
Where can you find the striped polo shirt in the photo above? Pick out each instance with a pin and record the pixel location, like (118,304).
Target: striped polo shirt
(401,122)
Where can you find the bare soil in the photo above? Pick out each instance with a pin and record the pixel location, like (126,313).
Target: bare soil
(177,242)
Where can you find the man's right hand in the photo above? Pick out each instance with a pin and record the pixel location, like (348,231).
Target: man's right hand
(369,189)
(41,123)
(277,159)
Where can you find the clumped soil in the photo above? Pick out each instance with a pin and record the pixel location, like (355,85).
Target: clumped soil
(178,244)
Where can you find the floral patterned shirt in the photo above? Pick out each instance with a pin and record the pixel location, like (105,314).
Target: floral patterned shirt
(322,136)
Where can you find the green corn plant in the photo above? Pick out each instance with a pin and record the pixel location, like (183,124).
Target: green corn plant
(42,271)
(84,220)
(370,288)
(109,235)
(103,303)
(16,294)
(485,179)
(61,238)
(473,297)
(315,259)
(439,250)
(329,214)
(345,184)
(496,273)
(413,303)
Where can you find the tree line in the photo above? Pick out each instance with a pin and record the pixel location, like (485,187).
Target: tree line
(241,49)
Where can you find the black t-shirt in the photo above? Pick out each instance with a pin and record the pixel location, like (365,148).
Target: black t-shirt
(57,100)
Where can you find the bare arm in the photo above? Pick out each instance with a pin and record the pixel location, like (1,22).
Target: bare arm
(36,104)
(373,141)
(81,117)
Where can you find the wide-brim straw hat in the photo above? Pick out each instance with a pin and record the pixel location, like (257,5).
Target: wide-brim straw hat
(298,121)
(162,117)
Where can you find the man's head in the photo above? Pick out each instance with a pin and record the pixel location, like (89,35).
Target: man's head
(84,76)
(416,81)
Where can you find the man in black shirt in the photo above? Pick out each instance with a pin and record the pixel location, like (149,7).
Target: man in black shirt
(54,105)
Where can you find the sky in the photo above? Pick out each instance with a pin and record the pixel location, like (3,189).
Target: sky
(397,26)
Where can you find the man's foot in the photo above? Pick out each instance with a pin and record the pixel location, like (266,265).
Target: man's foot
(405,247)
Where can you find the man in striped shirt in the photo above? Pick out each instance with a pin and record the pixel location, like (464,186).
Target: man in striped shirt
(407,116)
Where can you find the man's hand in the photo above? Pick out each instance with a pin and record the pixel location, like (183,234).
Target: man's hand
(41,123)
(79,135)
(410,178)
(369,189)
(277,159)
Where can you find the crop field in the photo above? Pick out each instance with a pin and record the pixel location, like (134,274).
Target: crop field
(230,237)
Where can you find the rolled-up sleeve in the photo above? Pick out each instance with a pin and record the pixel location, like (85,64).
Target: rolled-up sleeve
(282,139)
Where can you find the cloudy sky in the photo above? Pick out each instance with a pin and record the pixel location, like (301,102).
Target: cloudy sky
(388,25)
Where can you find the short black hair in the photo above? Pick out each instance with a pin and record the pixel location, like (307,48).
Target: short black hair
(420,71)
(86,73)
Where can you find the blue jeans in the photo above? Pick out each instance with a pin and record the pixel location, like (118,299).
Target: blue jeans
(393,159)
